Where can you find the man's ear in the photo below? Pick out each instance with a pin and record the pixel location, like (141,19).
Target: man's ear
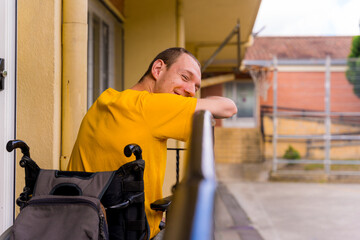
(157,68)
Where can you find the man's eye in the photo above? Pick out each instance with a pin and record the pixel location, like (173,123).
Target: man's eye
(185,77)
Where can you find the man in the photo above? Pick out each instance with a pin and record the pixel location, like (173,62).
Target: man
(158,107)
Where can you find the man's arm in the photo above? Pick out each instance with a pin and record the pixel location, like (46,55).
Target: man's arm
(220,107)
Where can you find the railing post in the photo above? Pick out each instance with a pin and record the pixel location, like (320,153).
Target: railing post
(275,134)
(327,136)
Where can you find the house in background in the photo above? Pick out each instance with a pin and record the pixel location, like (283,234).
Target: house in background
(311,79)
(301,74)
(301,68)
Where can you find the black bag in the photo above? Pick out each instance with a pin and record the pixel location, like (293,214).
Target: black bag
(124,202)
(82,205)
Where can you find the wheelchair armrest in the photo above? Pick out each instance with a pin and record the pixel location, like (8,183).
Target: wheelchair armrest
(161,204)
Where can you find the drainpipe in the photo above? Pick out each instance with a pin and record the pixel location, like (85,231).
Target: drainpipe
(74,75)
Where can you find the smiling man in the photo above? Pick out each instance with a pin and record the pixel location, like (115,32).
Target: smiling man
(160,106)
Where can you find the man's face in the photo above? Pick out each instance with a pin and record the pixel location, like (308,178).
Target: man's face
(182,78)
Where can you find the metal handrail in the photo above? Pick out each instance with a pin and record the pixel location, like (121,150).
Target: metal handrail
(191,215)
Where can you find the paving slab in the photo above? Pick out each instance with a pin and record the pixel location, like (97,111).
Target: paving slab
(298,211)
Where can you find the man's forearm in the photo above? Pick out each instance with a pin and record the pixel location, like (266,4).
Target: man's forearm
(220,107)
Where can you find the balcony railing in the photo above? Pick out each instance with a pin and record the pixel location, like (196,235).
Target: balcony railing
(191,215)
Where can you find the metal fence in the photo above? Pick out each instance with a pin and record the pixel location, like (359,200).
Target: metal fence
(316,120)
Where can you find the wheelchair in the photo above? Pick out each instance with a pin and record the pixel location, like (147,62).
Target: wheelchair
(123,198)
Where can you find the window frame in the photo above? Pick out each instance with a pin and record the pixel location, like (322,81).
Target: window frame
(96,10)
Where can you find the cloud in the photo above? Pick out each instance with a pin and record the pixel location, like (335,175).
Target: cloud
(308,17)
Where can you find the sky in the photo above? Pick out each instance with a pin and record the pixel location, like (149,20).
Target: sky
(308,18)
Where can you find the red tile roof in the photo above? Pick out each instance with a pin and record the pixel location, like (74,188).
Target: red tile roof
(264,48)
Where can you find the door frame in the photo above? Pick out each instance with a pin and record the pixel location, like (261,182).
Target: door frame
(241,122)
(7,165)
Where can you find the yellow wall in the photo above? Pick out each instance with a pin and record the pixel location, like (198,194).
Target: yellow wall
(149,29)
(39,82)
(238,145)
(340,150)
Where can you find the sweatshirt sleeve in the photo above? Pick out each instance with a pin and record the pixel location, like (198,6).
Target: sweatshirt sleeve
(169,115)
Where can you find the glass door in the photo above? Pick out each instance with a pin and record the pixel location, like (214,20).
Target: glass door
(243,94)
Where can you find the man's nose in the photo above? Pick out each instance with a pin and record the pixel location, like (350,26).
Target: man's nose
(190,90)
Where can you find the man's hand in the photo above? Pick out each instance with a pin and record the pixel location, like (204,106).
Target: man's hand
(220,107)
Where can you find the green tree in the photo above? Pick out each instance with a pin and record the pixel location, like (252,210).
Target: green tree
(353,72)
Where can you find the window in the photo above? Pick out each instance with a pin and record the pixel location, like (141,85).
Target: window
(105,49)
(243,94)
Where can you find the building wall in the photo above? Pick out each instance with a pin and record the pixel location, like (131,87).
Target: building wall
(305,90)
(39,82)
(238,145)
(149,29)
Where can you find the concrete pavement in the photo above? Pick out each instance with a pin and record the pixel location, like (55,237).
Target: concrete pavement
(286,210)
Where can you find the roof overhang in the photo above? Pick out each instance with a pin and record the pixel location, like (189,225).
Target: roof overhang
(208,23)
